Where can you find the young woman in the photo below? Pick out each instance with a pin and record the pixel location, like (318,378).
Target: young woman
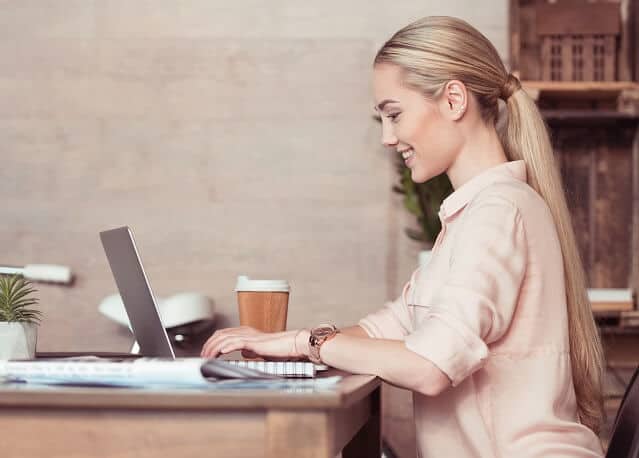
(495,335)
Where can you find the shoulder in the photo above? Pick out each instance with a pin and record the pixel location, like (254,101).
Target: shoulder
(514,205)
(515,195)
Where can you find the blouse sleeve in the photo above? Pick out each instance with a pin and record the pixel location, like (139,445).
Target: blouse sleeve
(393,321)
(476,302)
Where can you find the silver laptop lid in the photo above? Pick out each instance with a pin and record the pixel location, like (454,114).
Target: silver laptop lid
(136,293)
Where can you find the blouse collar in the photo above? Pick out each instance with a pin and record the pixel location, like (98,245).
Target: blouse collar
(506,171)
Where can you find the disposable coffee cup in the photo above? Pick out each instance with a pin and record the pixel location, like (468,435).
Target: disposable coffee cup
(263,304)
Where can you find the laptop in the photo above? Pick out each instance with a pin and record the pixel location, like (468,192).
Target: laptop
(144,317)
(135,290)
(151,337)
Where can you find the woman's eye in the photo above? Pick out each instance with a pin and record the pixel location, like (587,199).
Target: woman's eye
(393,116)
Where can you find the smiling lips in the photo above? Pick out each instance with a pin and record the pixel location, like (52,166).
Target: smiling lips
(407,155)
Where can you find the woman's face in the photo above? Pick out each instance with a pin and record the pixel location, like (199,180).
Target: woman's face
(423,131)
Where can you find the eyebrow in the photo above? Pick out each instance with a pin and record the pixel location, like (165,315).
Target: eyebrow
(385,102)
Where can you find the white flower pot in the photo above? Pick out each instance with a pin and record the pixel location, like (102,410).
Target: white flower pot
(18,340)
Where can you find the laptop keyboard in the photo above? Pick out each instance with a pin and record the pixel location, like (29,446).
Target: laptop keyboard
(296,369)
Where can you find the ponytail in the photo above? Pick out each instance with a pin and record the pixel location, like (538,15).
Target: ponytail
(526,137)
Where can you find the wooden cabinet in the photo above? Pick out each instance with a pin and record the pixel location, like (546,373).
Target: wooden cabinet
(599,161)
(575,40)
(578,44)
(580,60)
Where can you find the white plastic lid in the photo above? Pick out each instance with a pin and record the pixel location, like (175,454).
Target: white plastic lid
(246,284)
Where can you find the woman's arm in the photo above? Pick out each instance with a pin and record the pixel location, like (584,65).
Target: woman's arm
(388,359)
(356,331)
(350,350)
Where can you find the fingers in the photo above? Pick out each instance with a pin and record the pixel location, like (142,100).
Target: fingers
(248,354)
(214,346)
(207,348)
(228,345)
(227,340)
(278,344)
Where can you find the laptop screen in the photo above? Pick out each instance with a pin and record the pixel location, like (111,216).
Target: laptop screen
(136,293)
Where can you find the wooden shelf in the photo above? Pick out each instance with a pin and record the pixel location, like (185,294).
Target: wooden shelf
(580,89)
(612,307)
(580,86)
(588,115)
(583,100)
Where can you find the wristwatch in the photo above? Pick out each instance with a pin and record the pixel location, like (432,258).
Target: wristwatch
(319,335)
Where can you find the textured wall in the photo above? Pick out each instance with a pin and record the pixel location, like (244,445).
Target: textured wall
(234,137)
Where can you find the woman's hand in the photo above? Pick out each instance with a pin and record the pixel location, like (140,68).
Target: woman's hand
(249,340)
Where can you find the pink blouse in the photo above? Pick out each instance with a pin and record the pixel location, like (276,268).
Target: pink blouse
(489,310)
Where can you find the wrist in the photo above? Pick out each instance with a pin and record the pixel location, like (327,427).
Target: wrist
(318,336)
(301,342)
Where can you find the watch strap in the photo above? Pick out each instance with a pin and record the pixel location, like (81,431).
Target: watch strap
(318,336)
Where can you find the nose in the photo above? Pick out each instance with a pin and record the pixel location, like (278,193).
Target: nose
(388,136)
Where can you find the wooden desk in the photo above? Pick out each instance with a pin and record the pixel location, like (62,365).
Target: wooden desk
(101,422)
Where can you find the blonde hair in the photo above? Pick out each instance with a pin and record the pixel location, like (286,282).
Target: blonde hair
(435,50)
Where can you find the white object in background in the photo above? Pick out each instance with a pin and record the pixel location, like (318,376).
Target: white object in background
(424,257)
(18,340)
(611,300)
(175,310)
(40,272)
(609,295)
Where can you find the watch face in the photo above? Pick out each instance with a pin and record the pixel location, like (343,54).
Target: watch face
(318,336)
(320,333)
(323,331)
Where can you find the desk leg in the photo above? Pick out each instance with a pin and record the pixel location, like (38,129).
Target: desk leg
(367,441)
(299,434)
(356,430)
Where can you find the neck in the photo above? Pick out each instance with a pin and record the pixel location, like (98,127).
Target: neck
(480,151)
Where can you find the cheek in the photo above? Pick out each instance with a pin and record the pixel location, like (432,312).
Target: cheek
(433,138)
(410,130)
(439,140)
(420,129)
(436,148)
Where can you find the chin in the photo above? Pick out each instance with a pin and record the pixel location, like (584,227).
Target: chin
(420,176)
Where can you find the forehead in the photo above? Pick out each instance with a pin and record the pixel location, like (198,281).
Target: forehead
(387,77)
(388,84)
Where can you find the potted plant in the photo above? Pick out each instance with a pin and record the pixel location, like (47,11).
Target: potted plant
(423,200)
(18,318)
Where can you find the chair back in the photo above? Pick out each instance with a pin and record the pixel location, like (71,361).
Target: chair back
(624,442)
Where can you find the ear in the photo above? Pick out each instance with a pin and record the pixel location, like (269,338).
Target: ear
(454,100)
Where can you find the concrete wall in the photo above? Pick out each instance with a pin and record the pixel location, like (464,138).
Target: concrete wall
(234,137)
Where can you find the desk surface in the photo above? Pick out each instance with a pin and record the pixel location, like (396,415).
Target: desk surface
(348,391)
(124,422)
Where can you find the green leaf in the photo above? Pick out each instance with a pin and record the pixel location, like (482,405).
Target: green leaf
(423,201)
(16,301)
